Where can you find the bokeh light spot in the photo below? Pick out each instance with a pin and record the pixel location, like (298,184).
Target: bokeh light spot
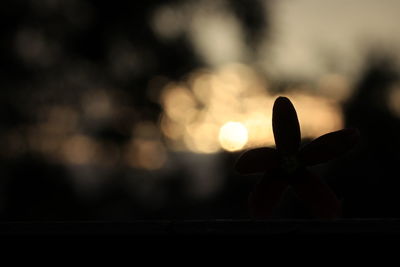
(233,136)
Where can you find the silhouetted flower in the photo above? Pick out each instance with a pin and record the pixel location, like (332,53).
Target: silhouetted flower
(286,165)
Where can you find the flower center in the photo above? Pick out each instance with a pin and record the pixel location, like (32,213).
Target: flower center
(289,163)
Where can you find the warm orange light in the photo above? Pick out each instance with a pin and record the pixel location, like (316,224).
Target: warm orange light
(233,136)
(202,138)
(231,108)
(179,103)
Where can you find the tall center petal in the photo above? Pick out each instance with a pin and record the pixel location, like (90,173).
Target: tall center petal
(285,126)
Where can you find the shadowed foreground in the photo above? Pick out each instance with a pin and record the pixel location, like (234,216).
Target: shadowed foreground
(267,229)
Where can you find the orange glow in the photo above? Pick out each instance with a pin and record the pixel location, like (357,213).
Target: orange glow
(230,108)
(259,129)
(180,104)
(317,115)
(202,138)
(233,136)
(172,130)
(335,86)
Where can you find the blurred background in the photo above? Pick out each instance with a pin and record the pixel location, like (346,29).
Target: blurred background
(124,111)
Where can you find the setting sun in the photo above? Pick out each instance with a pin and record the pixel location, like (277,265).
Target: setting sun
(233,136)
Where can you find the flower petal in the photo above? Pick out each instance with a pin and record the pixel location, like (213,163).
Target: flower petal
(285,126)
(328,146)
(256,160)
(317,195)
(266,196)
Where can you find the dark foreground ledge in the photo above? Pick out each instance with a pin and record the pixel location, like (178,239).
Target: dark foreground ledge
(271,228)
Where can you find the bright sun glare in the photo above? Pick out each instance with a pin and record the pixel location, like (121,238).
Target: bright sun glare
(233,136)
(230,107)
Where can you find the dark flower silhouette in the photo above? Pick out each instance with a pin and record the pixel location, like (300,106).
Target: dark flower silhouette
(287,165)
